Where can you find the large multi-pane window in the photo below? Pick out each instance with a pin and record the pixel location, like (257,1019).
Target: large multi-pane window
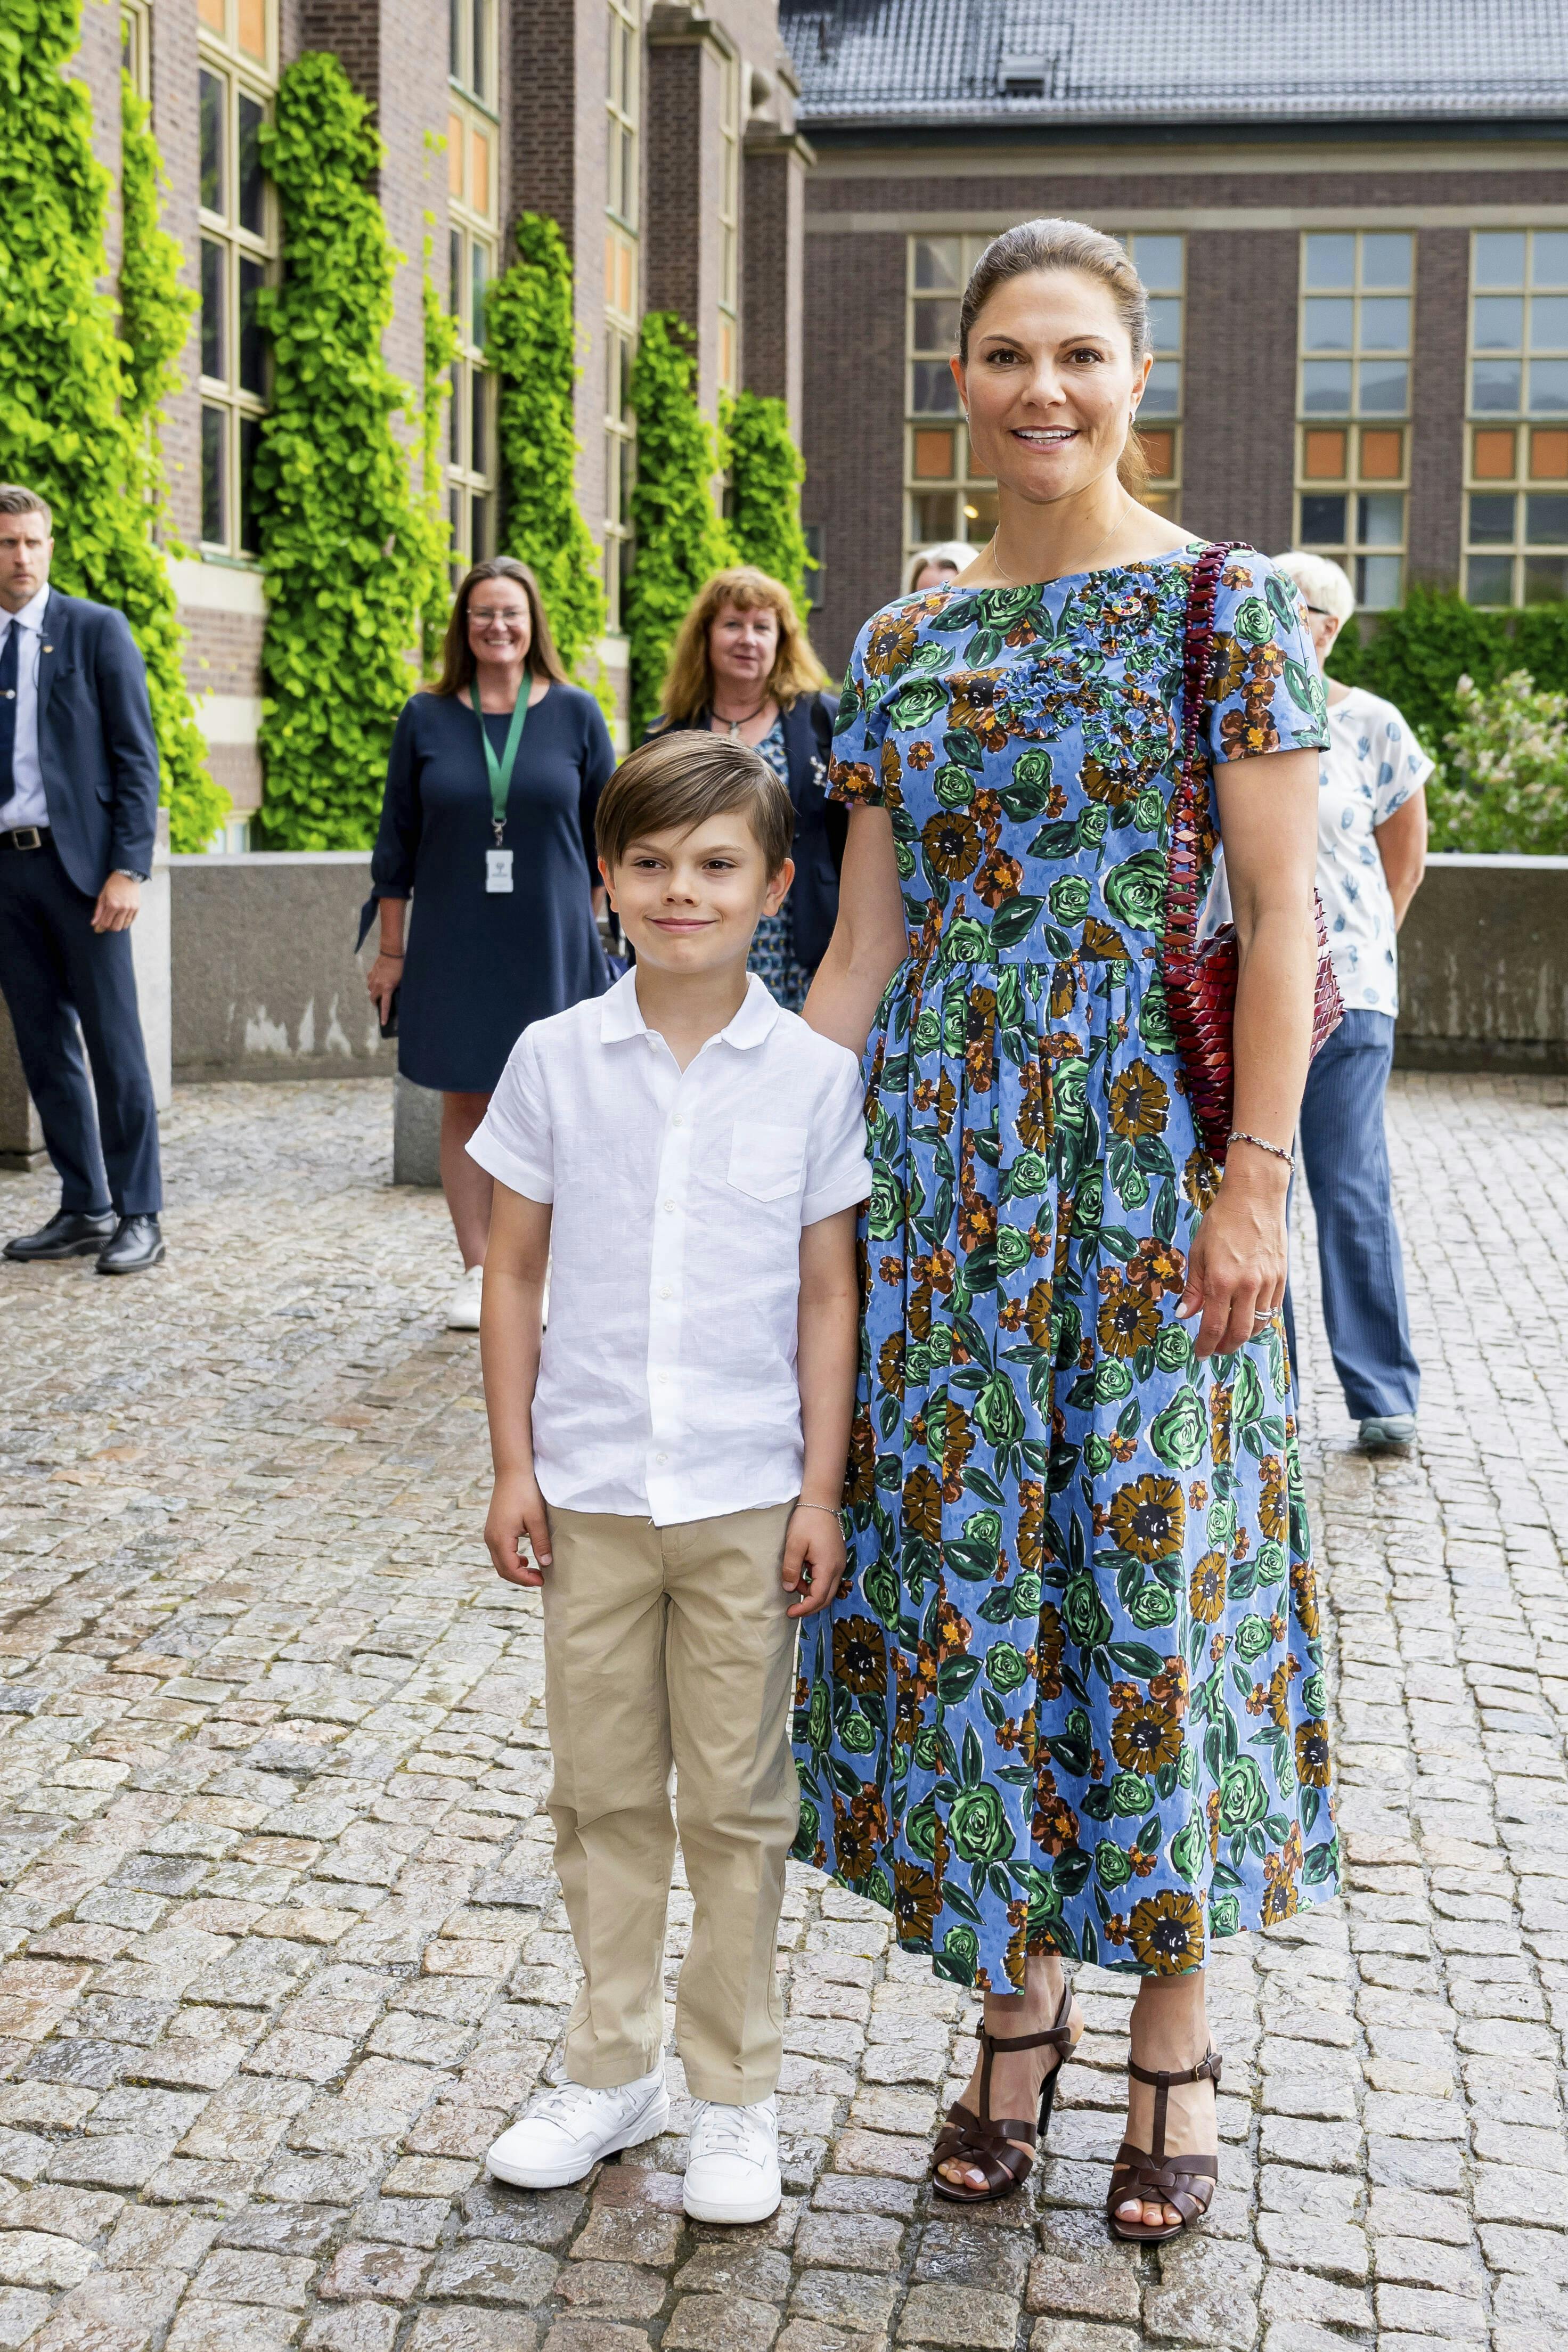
(620,298)
(1352,439)
(473,225)
(729,224)
(948,494)
(1160,263)
(136,45)
(235,79)
(1516,492)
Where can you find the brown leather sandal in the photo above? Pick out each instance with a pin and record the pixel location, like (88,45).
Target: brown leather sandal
(988,2142)
(1187,2182)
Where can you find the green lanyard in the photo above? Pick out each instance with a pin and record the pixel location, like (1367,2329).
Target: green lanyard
(500,769)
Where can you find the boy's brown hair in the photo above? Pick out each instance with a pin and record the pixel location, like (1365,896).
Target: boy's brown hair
(679,781)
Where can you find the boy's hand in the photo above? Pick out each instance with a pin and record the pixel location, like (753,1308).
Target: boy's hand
(814,1559)
(517,1509)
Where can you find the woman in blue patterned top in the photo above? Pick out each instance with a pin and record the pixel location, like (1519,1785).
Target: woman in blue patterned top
(1069,1702)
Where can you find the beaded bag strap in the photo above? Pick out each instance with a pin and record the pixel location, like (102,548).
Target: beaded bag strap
(1183,854)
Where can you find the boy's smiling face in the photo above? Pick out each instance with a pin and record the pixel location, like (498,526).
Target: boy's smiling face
(690,901)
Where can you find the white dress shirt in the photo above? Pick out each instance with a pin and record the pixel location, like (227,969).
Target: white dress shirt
(27,805)
(667,1385)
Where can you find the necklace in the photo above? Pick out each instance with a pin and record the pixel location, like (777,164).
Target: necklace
(1116,521)
(735,725)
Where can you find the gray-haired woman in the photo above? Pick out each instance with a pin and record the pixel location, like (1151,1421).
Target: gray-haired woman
(1372,854)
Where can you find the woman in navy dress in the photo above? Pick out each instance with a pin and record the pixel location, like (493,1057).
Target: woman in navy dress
(506,931)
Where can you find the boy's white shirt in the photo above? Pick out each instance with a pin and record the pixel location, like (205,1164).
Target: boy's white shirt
(666,1382)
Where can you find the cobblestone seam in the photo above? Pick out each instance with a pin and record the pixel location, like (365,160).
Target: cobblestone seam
(280,1948)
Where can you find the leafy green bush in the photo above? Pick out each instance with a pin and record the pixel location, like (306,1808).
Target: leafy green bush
(1416,655)
(155,313)
(64,375)
(765,475)
(530,341)
(440,350)
(681,539)
(1503,784)
(346,544)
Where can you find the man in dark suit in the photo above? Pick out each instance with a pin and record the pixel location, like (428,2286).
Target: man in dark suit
(78,807)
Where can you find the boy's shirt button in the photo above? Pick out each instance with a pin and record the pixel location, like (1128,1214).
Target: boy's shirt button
(669,1208)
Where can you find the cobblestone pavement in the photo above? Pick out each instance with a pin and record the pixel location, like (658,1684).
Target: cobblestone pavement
(280,1949)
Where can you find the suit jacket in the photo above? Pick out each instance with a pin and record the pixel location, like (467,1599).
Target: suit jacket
(96,745)
(820,825)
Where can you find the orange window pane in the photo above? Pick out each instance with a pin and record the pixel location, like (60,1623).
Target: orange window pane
(1323,460)
(1382,454)
(252,30)
(1493,457)
(215,14)
(479,171)
(623,288)
(609,273)
(933,456)
(453,154)
(1159,448)
(977,471)
(726,351)
(1549,456)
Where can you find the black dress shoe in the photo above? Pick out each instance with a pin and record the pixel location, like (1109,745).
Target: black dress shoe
(137,1243)
(69,1233)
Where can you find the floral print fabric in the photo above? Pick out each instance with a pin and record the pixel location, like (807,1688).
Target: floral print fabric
(773,957)
(1071,1696)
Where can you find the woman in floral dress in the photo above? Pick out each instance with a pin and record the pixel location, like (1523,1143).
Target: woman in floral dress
(1069,1702)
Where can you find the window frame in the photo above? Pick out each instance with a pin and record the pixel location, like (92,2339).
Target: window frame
(1374,454)
(473,222)
(623,259)
(230,409)
(729,224)
(1537,453)
(136,45)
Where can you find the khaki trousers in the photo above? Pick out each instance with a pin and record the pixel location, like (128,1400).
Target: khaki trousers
(672,1645)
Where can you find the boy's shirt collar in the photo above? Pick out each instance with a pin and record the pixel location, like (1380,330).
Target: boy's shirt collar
(621,1015)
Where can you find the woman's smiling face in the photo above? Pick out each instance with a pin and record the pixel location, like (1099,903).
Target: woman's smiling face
(1049,382)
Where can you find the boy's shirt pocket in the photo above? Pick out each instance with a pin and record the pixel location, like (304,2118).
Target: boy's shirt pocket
(767,1162)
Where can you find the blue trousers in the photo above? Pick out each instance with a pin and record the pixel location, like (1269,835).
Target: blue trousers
(54,971)
(1344,1153)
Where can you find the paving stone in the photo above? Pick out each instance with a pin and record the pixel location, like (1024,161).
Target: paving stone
(707,2323)
(487,2271)
(848,2242)
(1083,2290)
(458,2328)
(390,2274)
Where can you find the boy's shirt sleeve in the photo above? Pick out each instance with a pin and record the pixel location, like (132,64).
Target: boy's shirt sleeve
(512,1141)
(838,1167)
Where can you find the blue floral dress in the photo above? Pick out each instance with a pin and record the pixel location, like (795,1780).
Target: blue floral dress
(1070,1698)
(772,956)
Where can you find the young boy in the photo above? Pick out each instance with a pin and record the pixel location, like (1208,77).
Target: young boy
(691,1157)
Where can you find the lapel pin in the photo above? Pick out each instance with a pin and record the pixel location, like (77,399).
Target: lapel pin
(48,649)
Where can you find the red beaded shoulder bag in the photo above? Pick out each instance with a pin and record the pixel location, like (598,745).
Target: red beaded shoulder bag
(1200,976)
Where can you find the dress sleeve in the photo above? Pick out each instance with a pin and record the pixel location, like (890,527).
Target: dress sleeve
(598,767)
(512,1141)
(397,836)
(1266,690)
(854,767)
(1403,767)
(838,1171)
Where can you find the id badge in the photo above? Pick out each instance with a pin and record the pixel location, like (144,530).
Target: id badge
(498,869)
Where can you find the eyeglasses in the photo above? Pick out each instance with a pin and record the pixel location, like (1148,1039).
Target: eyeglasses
(1321,611)
(511,616)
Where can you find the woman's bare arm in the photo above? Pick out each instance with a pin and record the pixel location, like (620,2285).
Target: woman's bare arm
(1402,844)
(1268,819)
(870,939)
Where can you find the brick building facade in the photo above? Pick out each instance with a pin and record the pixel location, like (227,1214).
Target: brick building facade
(1354,231)
(658,134)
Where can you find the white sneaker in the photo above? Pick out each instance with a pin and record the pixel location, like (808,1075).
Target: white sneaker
(463,1312)
(732,2167)
(564,2132)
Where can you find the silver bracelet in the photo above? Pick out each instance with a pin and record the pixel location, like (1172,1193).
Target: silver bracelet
(832,1508)
(1275,1151)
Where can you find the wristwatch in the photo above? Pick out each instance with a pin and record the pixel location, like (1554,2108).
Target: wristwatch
(131,874)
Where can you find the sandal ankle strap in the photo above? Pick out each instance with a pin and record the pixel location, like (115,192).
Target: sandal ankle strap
(1163,2082)
(1055,2037)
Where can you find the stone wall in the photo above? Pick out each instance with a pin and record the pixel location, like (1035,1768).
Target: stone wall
(266,983)
(1483,956)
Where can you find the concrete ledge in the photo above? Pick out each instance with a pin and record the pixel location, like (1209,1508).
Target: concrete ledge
(265,982)
(1483,967)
